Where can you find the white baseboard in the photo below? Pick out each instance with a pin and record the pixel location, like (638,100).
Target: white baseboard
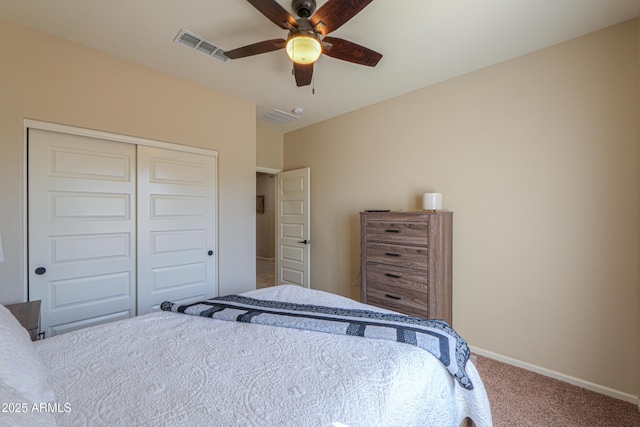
(559,376)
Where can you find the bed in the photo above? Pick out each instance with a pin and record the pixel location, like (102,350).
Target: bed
(166,368)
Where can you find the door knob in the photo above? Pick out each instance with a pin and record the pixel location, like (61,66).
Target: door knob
(210,253)
(40,271)
(306,242)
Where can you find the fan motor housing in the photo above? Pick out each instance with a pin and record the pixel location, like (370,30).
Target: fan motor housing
(304,8)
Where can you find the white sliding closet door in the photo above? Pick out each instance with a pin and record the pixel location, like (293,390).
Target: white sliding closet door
(117,225)
(82,230)
(176,227)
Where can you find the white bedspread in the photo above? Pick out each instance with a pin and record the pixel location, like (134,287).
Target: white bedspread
(169,369)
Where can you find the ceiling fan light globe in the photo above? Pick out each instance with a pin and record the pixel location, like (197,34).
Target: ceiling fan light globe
(304,49)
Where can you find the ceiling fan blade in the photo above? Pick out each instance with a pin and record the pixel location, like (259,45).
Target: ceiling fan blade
(303,74)
(256,48)
(334,13)
(275,13)
(348,51)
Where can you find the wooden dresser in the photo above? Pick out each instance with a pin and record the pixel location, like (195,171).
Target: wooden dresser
(406,262)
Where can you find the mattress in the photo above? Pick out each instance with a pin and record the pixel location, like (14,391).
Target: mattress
(167,369)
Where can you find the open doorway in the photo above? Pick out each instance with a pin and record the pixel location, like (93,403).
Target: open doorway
(265,230)
(283,225)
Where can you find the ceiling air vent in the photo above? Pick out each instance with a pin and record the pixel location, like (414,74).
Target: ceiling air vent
(194,41)
(278,117)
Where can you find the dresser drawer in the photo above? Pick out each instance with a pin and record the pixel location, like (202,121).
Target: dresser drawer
(401,256)
(413,233)
(401,300)
(397,277)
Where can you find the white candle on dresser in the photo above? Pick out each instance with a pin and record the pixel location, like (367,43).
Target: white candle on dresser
(432,201)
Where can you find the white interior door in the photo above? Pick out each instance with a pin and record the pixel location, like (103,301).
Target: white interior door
(176,227)
(293,236)
(82,228)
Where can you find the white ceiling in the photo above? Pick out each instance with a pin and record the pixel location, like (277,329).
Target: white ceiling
(423,42)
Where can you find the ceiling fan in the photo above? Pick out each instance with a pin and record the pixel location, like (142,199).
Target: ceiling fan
(308,35)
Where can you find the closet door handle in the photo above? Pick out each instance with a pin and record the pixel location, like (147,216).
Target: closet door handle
(210,253)
(40,271)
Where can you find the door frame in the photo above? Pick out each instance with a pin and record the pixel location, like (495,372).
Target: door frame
(90,133)
(270,171)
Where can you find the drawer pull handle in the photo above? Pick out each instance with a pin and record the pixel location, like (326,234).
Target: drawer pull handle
(395,276)
(392,296)
(392,254)
(392,231)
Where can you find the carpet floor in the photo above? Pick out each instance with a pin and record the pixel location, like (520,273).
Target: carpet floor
(265,273)
(521,398)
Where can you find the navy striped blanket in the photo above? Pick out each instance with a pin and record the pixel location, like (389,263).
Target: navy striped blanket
(434,336)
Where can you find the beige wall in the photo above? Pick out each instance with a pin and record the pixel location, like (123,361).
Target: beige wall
(48,79)
(269,156)
(269,146)
(538,158)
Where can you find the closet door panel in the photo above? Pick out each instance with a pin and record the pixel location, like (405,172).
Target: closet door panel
(176,227)
(82,229)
